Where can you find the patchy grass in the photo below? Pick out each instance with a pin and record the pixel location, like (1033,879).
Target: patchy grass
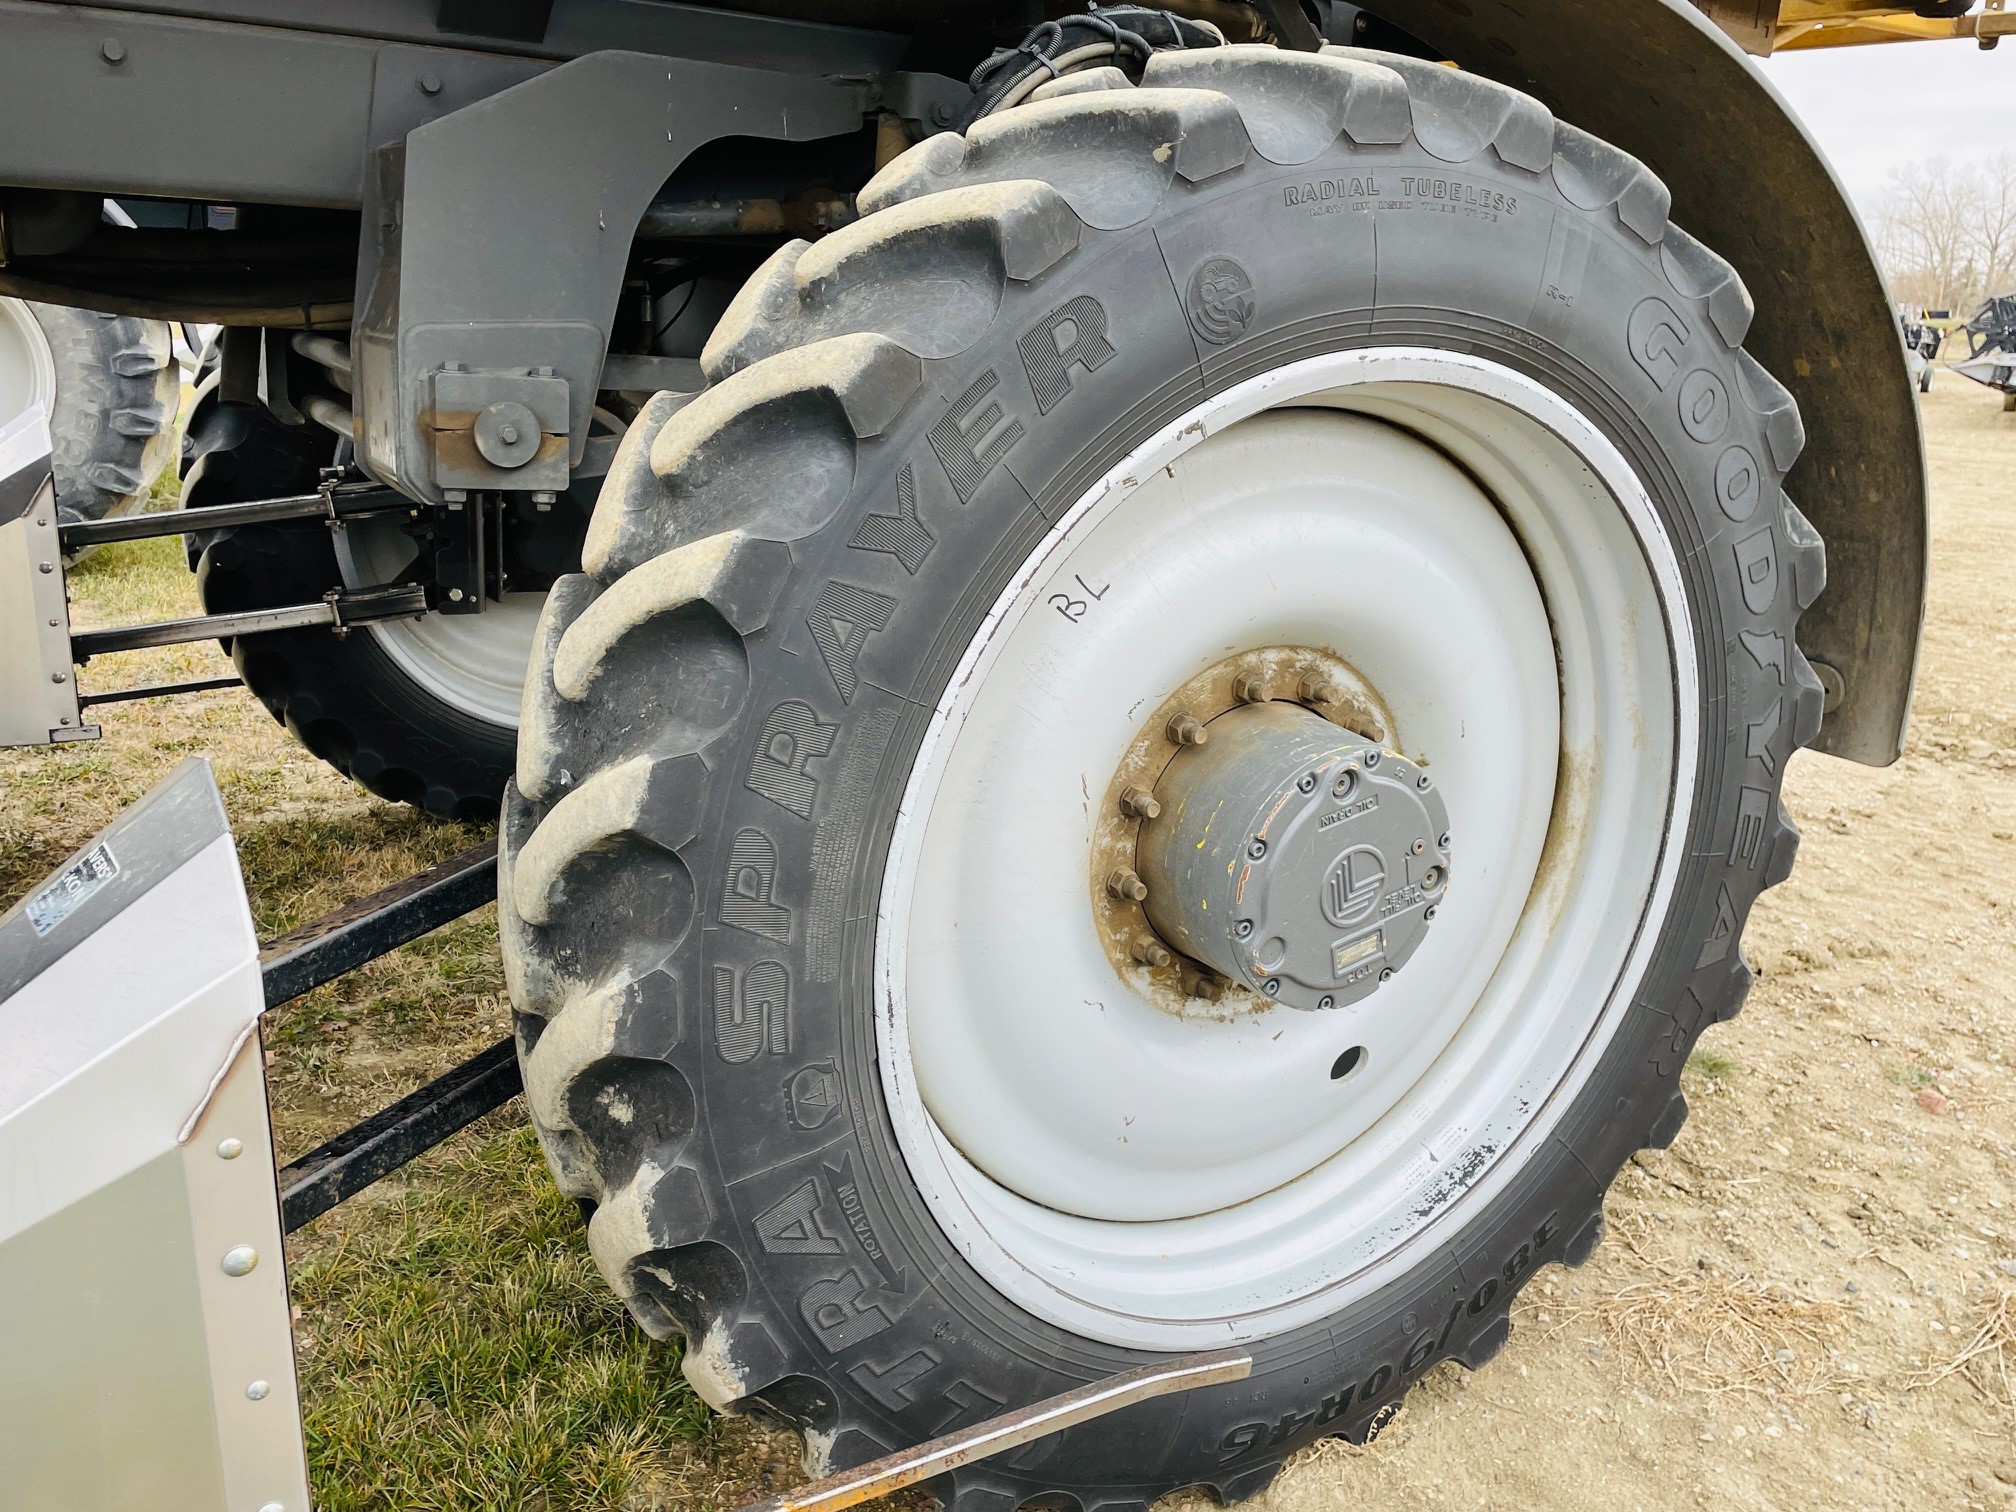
(458,1349)
(1712,1064)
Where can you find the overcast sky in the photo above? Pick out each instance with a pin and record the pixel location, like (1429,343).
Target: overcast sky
(1876,108)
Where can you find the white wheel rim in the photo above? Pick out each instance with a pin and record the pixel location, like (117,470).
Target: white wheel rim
(474,663)
(27,367)
(1158,1181)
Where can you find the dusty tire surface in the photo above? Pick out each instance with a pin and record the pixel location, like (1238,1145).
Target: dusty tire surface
(117,389)
(344,699)
(783,573)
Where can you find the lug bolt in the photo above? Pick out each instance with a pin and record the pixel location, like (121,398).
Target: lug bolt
(1139,803)
(1306,783)
(1326,1001)
(1372,759)
(1184,730)
(1248,688)
(1124,884)
(1272,986)
(1151,953)
(1257,849)
(1386,975)
(1443,843)
(1429,912)
(1422,782)
(1243,929)
(1417,847)
(1318,689)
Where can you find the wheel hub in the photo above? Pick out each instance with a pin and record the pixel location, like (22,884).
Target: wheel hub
(1293,857)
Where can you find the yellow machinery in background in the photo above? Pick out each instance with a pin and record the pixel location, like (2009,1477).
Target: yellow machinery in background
(1764,27)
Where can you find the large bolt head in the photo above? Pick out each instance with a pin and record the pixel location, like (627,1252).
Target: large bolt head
(507,434)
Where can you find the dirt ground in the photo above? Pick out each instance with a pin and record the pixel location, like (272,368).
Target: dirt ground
(1810,1301)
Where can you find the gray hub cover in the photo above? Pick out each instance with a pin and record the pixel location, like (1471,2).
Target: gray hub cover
(1295,857)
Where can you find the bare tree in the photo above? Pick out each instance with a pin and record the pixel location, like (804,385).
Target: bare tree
(1928,233)
(1995,233)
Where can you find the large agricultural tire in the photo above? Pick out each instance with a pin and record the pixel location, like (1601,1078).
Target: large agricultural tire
(110,388)
(823,1009)
(345,698)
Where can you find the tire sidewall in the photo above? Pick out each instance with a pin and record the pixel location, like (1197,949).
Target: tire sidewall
(1480,258)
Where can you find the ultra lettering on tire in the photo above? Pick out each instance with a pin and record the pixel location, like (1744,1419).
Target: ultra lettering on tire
(787,580)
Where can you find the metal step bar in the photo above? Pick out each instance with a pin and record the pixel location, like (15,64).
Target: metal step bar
(305,958)
(338,1170)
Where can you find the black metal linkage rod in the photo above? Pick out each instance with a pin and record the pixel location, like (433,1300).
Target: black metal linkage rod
(305,958)
(381,1144)
(344,503)
(399,601)
(156,690)
(181,522)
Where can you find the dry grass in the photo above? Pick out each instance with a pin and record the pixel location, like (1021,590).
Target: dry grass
(1984,1361)
(1697,1329)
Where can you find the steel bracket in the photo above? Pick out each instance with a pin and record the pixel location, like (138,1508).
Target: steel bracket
(499,430)
(496,236)
(38,690)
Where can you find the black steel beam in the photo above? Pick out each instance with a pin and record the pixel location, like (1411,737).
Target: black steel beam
(395,601)
(156,690)
(382,1143)
(305,958)
(351,502)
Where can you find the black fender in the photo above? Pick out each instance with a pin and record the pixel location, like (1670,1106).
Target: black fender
(1657,79)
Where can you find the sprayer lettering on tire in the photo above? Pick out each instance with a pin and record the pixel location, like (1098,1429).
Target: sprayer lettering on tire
(1343,386)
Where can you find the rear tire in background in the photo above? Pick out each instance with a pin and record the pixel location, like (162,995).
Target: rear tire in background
(1347,385)
(347,699)
(110,387)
